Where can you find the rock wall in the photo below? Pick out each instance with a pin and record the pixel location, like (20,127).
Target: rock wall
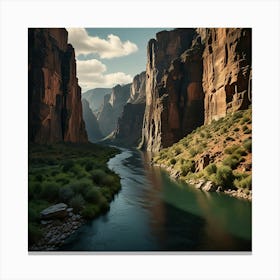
(227,70)
(129,127)
(112,108)
(92,126)
(54,96)
(174,95)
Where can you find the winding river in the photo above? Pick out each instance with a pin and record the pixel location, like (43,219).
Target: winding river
(154,213)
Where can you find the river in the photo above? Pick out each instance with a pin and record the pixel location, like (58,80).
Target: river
(154,213)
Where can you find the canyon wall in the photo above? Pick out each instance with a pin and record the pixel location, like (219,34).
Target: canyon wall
(112,108)
(192,77)
(227,70)
(129,127)
(54,96)
(92,126)
(174,95)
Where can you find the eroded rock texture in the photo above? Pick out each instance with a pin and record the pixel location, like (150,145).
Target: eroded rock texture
(129,127)
(92,126)
(174,95)
(227,71)
(112,108)
(54,96)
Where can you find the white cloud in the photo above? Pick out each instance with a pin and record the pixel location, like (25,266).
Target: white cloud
(105,48)
(91,74)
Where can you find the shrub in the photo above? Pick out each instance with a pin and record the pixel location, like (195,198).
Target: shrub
(97,176)
(104,205)
(177,151)
(193,152)
(231,149)
(33,215)
(211,169)
(224,176)
(34,233)
(108,180)
(90,211)
(50,191)
(240,152)
(89,165)
(236,129)
(62,178)
(172,161)
(77,203)
(34,189)
(244,183)
(66,193)
(93,195)
(189,166)
(67,165)
(231,161)
(81,186)
(247,144)
(228,138)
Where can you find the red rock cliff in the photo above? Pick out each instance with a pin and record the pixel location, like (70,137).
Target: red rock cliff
(227,70)
(54,96)
(174,96)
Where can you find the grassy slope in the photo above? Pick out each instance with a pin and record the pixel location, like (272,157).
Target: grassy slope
(71,173)
(227,141)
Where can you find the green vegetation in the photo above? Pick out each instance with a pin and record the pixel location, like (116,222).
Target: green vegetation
(226,142)
(71,173)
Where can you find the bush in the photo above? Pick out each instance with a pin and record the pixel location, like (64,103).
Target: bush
(34,189)
(93,195)
(231,149)
(224,176)
(232,161)
(97,175)
(193,152)
(90,211)
(172,161)
(104,205)
(177,151)
(77,203)
(33,215)
(81,186)
(189,166)
(34,233)
(244,183)
(50,191)
(211,169)
(108,180)
(247,144)
(62,178)
(66,193)
(67,165)
(89,166)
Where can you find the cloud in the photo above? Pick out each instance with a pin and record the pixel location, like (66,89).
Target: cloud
(91,74)
(105,48)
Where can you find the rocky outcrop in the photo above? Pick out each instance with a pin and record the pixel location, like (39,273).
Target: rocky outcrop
(54,96)
(174,95)
(92,126)
(112,108)
(227,70)
(129,127)
(95,98)
(57,211)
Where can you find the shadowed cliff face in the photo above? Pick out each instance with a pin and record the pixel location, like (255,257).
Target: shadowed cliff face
(112,108)
(227,71)
(92,126)
(174,96)
(54,96)
(129,127)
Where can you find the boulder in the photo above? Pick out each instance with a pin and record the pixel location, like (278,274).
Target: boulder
(209,187)
(57,211)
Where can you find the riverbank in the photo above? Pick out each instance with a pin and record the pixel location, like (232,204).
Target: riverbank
(214,157)
(70,182)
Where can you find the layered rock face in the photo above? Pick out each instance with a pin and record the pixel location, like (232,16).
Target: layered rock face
(174,95)
(227,70)
(92,126)
(129,127)
(54,96)
(112,108)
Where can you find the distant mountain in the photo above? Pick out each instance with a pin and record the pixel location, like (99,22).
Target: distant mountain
(92,126)
(95,98)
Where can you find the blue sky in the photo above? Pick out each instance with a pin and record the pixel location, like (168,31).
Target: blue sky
(108,56)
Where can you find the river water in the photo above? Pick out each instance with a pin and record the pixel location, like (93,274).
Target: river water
(154,213)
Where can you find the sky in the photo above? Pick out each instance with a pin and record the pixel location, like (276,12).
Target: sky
(109,56)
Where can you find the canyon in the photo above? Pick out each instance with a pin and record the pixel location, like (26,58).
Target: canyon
(54,95)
